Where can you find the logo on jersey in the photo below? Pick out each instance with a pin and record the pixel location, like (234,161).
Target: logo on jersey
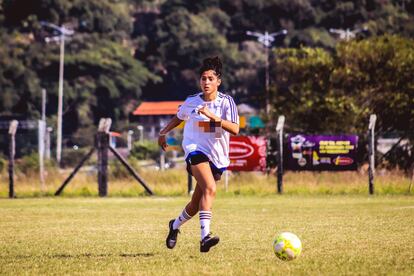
(210,127)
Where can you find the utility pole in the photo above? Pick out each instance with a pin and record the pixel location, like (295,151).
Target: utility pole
(42,140)
(63,33)
(267,39)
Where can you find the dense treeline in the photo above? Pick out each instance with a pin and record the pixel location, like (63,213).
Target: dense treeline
(125,51)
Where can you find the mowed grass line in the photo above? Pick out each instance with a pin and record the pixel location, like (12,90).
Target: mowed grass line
(341,235)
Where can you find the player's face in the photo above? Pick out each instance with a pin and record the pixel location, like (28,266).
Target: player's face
(209,82)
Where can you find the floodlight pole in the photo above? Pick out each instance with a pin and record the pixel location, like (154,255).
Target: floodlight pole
(60,101)
(267,39)
(63,33)
(371,152)
(42,141)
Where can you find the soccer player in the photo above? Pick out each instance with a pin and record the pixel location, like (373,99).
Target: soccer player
(211,117)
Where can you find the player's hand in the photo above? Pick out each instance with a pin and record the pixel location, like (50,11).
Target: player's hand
(162,142)
(206,112)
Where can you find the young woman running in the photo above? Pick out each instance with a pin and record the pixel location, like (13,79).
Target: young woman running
(211,117)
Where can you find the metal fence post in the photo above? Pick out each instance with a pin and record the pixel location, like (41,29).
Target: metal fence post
(279,131)
(371,152)
(12,152)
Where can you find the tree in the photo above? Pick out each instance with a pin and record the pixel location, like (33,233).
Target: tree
(184,40)
(304,93)
(379,74)
(102,77)
(323,92)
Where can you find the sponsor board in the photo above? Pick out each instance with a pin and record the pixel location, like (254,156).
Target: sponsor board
(247,153)
(322,152)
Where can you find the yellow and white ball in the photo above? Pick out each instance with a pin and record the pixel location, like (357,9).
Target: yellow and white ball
(287,246)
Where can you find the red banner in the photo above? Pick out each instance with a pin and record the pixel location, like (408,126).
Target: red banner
(247,153)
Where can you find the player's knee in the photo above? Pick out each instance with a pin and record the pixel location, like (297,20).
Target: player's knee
(210,191)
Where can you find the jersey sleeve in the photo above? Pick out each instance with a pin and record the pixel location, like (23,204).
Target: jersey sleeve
(184,111)
(230,110)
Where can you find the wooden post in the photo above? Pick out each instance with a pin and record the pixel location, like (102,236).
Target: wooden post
(12,152)
(371,152)
(103,146)
(279,131)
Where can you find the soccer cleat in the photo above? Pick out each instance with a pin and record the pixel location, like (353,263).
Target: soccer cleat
(208,242)
(172,235)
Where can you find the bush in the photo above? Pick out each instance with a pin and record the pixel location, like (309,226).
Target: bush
(3,163)
(29,164)
(145,150)
(117,170)
(71,157)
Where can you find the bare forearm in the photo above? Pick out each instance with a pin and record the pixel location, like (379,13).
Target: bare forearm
(171,125)
(231,127)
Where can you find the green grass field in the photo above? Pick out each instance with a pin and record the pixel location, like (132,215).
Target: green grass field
(341,235)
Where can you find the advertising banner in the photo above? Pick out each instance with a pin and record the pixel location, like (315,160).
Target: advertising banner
(322,152)
(247,153)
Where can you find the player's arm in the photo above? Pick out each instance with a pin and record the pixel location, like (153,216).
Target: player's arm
(175,121)
(229,126)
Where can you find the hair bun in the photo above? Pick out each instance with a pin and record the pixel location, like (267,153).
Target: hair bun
(212,63)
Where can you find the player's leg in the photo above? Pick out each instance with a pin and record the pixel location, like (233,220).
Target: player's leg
(188,212)
(205,179)
(190,209)
(193,206)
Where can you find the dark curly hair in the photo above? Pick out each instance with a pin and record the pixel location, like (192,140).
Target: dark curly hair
(212,63)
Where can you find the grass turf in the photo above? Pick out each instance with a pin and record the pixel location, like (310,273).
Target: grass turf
(340,235)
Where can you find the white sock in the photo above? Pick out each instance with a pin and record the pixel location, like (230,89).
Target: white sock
(182,218)
(205,218)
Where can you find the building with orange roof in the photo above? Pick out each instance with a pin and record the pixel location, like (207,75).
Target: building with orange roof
(152,116)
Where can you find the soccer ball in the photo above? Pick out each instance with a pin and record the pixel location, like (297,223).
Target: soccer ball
(287,246)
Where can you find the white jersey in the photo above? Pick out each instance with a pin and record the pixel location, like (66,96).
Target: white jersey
(202,135)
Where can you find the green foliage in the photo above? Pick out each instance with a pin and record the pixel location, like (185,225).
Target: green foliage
(363,77)
(3,163)
(101,75)
(19,84)
(118,171)
(304,92)
(71,157)
(90,16)
(29,164)
(107,69)
(379,74)
(146,149)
